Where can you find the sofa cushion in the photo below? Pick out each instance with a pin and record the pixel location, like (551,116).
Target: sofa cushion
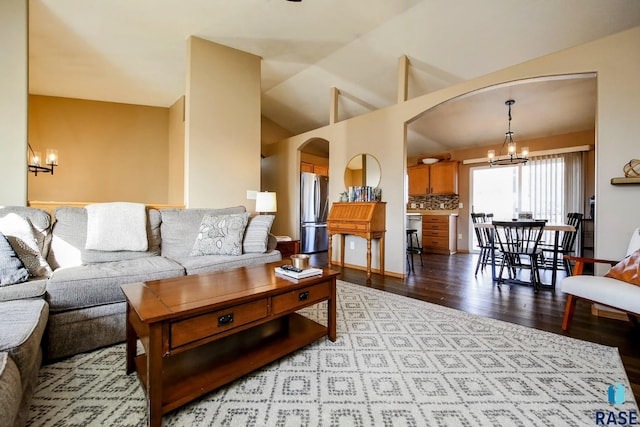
(180,227)
(10,389)
(22,323)
(256,235)
(12,270)
(33,288)
(605,290)
(21,235)
(70,235)
(211,263)
(94,284)
(220,235)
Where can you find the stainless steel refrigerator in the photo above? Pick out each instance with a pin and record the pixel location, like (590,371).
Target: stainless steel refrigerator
(314,208)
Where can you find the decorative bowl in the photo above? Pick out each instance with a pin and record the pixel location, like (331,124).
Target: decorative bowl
(430,161)
(300,261)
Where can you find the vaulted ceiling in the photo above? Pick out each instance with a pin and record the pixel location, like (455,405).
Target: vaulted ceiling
(135,52)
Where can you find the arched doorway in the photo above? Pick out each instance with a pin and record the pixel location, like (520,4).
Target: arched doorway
(547,109)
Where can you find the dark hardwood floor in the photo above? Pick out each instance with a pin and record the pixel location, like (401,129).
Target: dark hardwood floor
(450,281)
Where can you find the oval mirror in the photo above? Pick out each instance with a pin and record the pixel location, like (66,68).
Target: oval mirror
(362,170)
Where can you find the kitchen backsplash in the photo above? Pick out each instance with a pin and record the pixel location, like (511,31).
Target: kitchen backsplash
(449,201)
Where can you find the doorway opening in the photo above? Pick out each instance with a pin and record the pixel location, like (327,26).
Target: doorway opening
(314,196)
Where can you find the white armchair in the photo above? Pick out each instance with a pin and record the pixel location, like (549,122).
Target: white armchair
(602,290)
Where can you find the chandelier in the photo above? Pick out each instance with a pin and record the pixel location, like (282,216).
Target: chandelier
(509,147)
(35,165)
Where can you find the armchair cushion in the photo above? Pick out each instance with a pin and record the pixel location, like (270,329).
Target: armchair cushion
(627,270)
(603,290)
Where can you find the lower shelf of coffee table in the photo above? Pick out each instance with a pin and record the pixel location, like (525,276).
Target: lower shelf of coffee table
(193,373)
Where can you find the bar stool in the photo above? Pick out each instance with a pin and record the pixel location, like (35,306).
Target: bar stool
(413,247)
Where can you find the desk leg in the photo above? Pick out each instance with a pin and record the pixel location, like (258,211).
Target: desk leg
(369,258)
(382,255)
(343,238)
(329,250)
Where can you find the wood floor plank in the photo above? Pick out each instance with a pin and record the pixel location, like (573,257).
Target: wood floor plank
(449,281)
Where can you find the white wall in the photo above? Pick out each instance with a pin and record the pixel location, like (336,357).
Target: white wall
(13,101)
(222,126)
(615,59)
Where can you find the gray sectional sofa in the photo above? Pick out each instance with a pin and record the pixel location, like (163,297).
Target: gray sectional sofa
(80,306)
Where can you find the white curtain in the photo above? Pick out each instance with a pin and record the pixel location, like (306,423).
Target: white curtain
(552,186)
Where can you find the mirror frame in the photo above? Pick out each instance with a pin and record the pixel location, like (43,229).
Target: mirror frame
(367,160)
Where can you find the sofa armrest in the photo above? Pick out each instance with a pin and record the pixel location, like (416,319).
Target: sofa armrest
(581,261)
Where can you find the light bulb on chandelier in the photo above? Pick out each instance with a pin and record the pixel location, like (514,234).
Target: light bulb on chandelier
(509,147)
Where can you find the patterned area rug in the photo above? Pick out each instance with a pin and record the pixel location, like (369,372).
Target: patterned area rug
(397,362)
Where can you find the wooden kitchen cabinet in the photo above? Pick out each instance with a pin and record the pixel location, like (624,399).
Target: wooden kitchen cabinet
(444,178)
(306,167)
(310,167)
(438,178)
(439,234)
(418,179)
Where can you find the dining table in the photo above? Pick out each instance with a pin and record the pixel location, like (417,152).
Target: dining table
(555,228)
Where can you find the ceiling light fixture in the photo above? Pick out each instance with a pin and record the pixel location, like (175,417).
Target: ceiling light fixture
(509,145)
(35,165)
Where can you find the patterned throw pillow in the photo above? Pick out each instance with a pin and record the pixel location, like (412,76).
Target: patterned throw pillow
(19,232)
(12,270)
(256,235)
(220,235)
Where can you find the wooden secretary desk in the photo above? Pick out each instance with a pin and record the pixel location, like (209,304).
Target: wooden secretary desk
(364,219)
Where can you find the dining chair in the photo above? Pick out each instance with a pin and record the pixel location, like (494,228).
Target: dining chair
(518,241)
(484,242)
(566,246)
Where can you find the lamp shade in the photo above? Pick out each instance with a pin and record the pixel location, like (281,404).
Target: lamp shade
(266,202)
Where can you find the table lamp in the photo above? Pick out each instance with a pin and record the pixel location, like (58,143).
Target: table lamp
(266,202)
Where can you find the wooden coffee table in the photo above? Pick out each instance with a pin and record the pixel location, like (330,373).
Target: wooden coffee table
(202,331)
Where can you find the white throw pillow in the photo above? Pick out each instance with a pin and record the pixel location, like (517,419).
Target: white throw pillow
(117,226)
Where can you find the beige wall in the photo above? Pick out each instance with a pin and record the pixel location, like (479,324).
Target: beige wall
(222,126)
(108,151)
(176,152)
(13,101)
(615,59)
(272,132)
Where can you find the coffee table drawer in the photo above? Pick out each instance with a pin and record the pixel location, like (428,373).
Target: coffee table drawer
(206,325)
(300,298)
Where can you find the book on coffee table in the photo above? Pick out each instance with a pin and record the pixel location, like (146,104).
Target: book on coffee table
(299,275)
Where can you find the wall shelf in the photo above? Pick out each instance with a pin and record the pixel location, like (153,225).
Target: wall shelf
(625,181)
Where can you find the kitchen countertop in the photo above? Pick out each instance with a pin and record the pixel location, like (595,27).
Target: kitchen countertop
(432,212)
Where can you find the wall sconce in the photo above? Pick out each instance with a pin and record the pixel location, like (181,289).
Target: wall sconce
(51,160)
(266,202)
